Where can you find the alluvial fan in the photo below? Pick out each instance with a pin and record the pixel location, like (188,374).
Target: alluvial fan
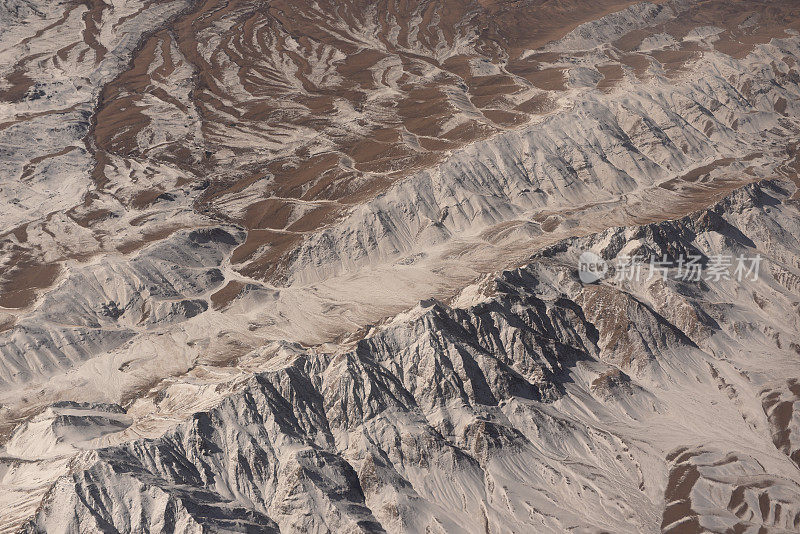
(400,266)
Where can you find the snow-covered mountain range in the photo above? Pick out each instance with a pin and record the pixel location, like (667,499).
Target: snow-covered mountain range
(313,266)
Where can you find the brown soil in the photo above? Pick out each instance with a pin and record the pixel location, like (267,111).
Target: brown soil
(20,83)
(674,62)
(366,154)
(612,75)
(638,62)
(539,104)
(147,238)
(505,118)
(696,174)
(19,283)
(7,323)
(551,79)
(678,516)
(226,295)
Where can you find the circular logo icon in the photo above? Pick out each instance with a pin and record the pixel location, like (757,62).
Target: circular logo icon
(591,267)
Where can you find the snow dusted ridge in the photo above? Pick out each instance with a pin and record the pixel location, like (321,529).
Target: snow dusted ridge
(547,404)
(643,152)
(311,266)
(593,34)
(599,150)
(101,307)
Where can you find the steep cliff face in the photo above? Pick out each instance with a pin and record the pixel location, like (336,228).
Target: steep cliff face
(313,266)
(545,403)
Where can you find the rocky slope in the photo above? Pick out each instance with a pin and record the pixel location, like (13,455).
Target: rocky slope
(219,219)
(649,146)
(529,401)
